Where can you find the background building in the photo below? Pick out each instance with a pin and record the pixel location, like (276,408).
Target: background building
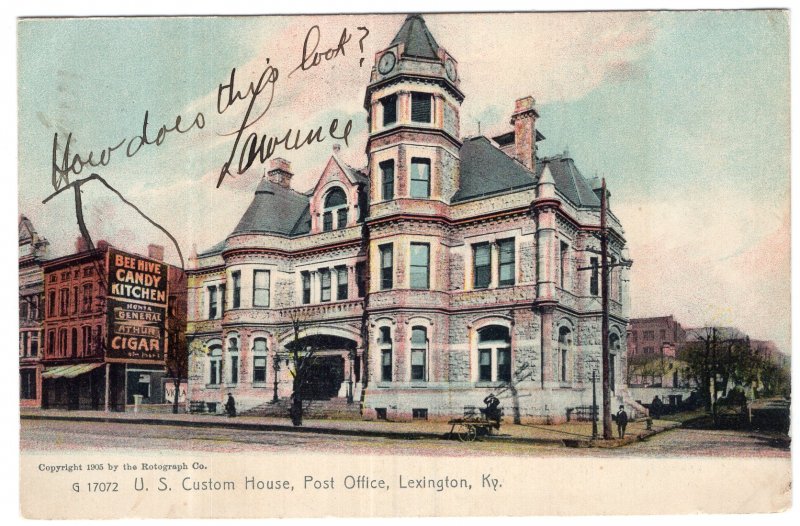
(32,252)
(101,336)
(446,269)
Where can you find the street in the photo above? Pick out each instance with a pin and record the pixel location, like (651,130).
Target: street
(40,436)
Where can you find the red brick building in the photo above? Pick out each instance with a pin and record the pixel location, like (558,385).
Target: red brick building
(652,335)
(80,371)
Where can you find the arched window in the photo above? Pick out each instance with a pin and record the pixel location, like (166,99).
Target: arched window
(260,360)
(233,360)
(564,347)
(613,352)
(214,365)
(419,354)
(385,344)
(494,354)
(335,205)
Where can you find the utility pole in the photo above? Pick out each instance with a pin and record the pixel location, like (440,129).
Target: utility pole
(604,332)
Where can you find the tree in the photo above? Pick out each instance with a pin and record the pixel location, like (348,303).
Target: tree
(177,359)
(302,358)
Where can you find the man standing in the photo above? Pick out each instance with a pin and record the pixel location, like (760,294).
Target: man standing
(230,406)
(622,421)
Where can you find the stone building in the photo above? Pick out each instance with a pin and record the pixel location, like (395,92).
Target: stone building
(32,251)
(447,268)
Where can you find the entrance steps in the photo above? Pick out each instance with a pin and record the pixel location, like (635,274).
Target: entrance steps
(334,408)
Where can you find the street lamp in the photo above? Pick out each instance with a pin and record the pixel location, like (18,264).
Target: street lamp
(276,366)
(593,365)
(352,357)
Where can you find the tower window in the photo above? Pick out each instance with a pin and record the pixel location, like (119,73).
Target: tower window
(420,178)
(261,288)
(389,109)
(386,266)
(420,265)
(387,180)
(482,270)
(421,107)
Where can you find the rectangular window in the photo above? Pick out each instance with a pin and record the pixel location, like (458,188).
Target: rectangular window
(361,279)
(387,180)
(418,364)
(306,278)
(212,302)
(419,346)
(222,299)
(214,373)
(51,303)
(234,369)
(421,107)
(34,345)
(419,413)
(341,283)
(51,343)
(27,384)
(420,178)
(23,309)
(562,271)
(324,285)
(63,308)
(341,218)
(387,270)
(420,263)
(62,342)
(75,300)
(259,370)
(503,365)
(236,277)
(482,266)
(327,221)
(87,298)
(389,109)
(563,365)
(612,374)
(261,288)
(485,365)
(663,334)
(386,365)
(594,281)
(507,263)
(649,335)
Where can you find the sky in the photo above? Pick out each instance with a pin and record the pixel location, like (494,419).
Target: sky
(686,114)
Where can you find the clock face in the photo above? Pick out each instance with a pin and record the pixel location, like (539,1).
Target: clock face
(386,64)
(450,69)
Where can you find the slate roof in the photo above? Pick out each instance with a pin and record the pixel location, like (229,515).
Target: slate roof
(274,209)
(417,40)
(570,182)
(486,170)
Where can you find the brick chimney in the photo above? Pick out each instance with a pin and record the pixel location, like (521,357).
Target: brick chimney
(524,121)
(102,244)
(81,245)
(280,172)
(155,252)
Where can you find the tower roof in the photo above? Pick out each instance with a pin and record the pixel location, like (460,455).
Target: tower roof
(417,40)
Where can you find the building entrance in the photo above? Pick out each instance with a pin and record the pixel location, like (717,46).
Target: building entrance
(324,378)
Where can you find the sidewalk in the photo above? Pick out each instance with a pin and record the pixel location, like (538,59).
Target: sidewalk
(574,434)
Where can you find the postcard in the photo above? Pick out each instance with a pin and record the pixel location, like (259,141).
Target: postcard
(395,265)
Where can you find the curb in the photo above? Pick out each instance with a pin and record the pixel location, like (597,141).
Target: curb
(395,435)
(617,442)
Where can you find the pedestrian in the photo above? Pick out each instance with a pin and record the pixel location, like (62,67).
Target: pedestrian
(622,421)
(492,410)
(230,406)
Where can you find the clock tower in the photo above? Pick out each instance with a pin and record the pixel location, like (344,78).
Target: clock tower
(413,101)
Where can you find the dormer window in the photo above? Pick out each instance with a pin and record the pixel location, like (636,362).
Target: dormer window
(335,205)
(389,109)
(421,107)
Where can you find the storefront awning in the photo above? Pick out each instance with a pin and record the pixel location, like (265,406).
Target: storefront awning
(69,371)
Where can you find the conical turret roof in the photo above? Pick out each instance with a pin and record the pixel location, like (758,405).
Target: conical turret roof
(417,40)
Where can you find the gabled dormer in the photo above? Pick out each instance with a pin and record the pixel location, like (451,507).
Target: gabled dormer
(337,201)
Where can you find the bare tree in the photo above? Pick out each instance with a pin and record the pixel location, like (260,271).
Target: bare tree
(302,358)
(177,359)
